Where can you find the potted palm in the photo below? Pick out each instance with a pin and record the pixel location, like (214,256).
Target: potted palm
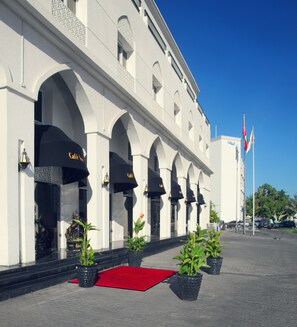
(87,269)
(136,243)
(213,251)
(191,258)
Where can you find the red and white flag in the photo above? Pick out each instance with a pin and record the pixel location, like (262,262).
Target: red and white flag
(251,140)
(245,140)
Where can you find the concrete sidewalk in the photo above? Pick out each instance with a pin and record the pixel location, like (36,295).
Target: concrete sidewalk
(257,287)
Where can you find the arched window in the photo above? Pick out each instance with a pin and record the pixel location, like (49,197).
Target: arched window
(190,126)
(176,109)
(157,84)
(125,44)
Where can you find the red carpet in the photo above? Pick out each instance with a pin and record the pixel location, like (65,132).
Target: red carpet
(132,278)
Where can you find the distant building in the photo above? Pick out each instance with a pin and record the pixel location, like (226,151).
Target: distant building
(100,97)
(227,181)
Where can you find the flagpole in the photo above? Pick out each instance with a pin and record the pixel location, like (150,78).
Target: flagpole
(244,195)
(245,145)
(253,181)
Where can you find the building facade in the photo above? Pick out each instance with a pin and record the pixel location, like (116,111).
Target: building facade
(98,98)
(227,181)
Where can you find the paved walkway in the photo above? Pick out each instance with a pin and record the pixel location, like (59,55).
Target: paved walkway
(257,287)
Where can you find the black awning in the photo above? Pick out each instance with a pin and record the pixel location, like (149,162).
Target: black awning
(53,148)
(190,196)
(176,192)
(121,174)
(200,199)
(155,184)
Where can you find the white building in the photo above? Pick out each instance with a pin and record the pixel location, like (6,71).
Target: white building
(84,85)
(227,181)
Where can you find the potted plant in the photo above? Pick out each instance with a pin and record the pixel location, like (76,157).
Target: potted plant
(73,233)
(201,235)
(87,269)
(136,243)
(213,251)
(191,258)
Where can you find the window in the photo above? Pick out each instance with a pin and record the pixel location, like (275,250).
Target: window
(190,126)
(122,56)
(71,4)
(176,109)
(157,84)
(156,88)
(125,45)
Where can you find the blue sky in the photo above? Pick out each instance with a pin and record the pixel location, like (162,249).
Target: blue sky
(243,55)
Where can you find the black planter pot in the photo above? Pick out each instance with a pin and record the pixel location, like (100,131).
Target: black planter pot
(215,265)
(87,275)
(135,258)
(189,286)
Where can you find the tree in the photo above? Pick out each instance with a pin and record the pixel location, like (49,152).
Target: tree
(269,203)
(214,218)
(292,206)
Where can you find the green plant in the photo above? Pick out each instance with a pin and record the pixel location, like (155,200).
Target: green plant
(192,256)
(213,244)
(86,257)
(213,215)
(137,243)
(201,234)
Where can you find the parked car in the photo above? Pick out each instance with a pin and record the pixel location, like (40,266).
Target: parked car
(222,224)
(258,223)
(232,224)
(286,224)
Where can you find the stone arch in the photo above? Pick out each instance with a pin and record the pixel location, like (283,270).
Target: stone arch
(130,128)
(191,173)
(158,144)
(74,83)
(201,180)
(178,165)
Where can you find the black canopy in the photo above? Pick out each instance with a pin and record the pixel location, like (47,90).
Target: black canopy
(176,192)
(200,199)
(53,148)
(190,196)
(155,184)
(121,174)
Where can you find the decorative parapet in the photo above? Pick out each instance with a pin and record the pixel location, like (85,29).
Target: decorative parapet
(65,16)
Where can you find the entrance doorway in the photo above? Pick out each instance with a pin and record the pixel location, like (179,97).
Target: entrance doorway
(47,212)
(155,216)
(174,211)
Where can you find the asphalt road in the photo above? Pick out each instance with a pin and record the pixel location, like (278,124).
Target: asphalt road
(257,287)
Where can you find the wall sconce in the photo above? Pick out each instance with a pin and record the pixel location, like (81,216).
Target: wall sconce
(145,189)
(105,180)
(24,160)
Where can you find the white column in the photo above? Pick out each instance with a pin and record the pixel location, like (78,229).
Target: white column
(140,169)
(165,218)
(192,223)
(182,213)
(17,235)
(205,208)
(98,195)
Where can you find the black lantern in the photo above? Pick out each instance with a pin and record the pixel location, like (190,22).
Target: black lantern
(24,160)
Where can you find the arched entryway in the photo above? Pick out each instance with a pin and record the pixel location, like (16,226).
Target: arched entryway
(175,195)
(155,189)
(60,163)
(122,181)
